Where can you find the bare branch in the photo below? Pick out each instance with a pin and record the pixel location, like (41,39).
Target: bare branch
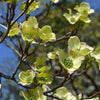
(3,26)
(18,66)
(94,95)
(2,17)
(65,79)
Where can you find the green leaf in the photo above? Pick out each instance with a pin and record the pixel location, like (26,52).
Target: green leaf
(29,29)
(32,7)
(46,34)
(14,30)
(34,94)
(72,18)
(44,78)
(27,77)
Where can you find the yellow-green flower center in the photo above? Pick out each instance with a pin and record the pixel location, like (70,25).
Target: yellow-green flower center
(68,62)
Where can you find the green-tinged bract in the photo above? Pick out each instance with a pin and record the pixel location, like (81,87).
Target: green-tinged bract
(84,10)
(96,55)
(32,7)
(29,29)
(46,34)
(14,30)
(55,1)
(70,61)
(27,77)
(43,74)
(82,13)
(72,18)
(34,94)
(64,94)
(81,47)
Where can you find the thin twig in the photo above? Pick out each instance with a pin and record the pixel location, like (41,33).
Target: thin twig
(18,66)
(48,10)
(94,95)
(52,96)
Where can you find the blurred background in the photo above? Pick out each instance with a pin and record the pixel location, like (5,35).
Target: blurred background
(87,83)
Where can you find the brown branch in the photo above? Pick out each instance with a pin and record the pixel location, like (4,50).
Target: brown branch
(34,50)
(52,96)
(94,95)
(7,12)
(66,79)
(48,10)
(2,17)
(19,43)
(18,66)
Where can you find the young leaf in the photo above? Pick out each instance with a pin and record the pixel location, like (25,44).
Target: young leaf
(40,62)
(44,78)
